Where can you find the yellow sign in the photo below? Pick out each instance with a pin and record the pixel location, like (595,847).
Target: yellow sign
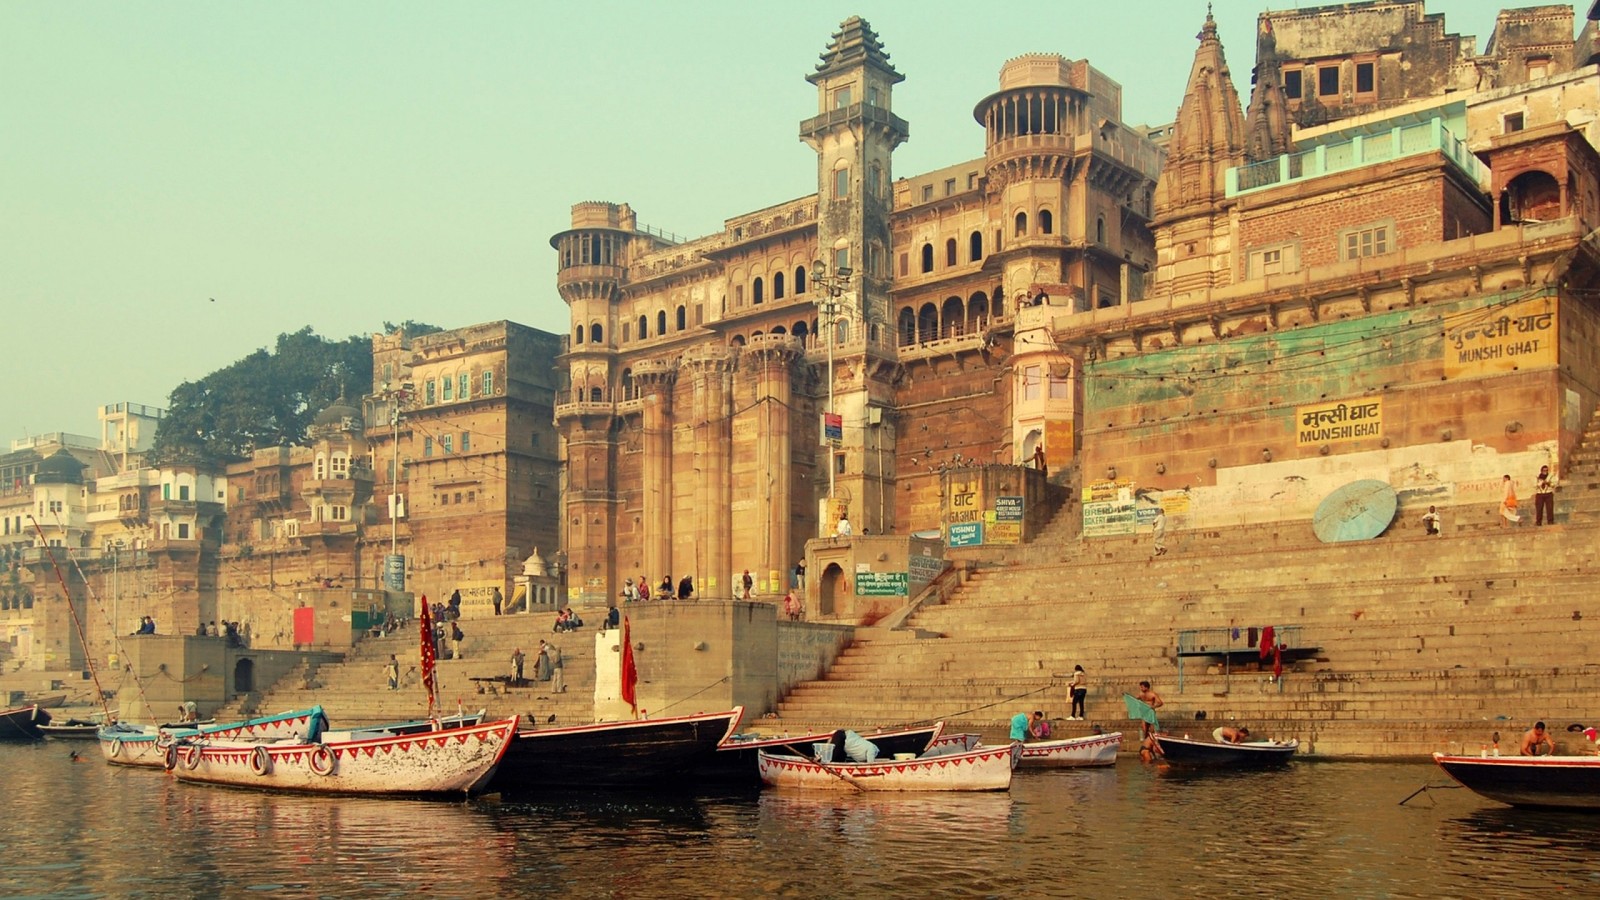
(1339,422)
(1521,336)
(964,502)
(1058,444)
(1101,491)
(1003,533)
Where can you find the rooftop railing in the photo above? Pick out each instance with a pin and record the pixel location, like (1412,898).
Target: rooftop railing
(1362,150)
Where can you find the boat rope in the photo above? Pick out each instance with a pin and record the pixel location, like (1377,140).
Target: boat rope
(683,700)
(1001,702)
(116,638)
(77,623)
(1429,787)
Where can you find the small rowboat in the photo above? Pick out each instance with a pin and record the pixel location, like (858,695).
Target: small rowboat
(146,745)
(1184,751)
(1549,782)
(735,759)
(72,730)
(1094,750)
(448,761)
(22,723)
(983,769)
(614,754)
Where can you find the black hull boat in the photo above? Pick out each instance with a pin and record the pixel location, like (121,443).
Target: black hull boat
(23,723)
(1537,782)
(72,730)
(736,762)
(1215,754)
(612,754)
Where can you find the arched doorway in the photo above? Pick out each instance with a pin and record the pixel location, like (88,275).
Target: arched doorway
(244,676)
(831,590)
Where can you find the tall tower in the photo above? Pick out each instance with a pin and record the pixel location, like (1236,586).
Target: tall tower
(1266,122)
(1193,243)
(854,134)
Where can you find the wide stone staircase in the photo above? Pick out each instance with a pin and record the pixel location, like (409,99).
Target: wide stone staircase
(356,691)
(1398,646)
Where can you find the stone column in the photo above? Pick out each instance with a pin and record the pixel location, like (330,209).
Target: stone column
(655,379)
(711,368)
(772,366)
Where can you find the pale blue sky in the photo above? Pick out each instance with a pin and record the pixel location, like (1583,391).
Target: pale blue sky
(337,164)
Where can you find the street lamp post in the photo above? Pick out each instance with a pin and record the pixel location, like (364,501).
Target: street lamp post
(828,308)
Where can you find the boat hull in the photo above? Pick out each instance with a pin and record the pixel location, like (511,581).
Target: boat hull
(983,769)
(23,723)
(613,754)
(72,730)
(451,761)
(146,745)
(1070,753)
(1256,755)
(735,762)
(1539,782)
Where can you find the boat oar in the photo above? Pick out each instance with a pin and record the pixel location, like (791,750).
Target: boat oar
(827,767)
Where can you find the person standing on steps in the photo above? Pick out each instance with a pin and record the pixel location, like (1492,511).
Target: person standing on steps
(800,575)
(392,672)
(1544,498)
(1150,697)
(517,661)
(1508,503)
(748,584)
(456,637)
(1158,532)
(1430,522)
(497,599)
(558,681)
(1079,690)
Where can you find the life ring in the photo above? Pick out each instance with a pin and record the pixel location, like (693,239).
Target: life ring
(171,761)
(116,748)
(322,761)
(164,740)
(191,758)
(260,761)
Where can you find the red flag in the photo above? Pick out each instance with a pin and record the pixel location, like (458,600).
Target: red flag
(630,671)
(425,628)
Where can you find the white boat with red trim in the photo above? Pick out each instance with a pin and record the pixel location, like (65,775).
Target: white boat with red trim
(983,769)
(123,744)
(1094,750)
(1540,782)
(448,761)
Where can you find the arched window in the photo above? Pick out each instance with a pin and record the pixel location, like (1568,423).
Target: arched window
(927,257)
(1046,222)
(777,285)
(779,329)
(799,279)
(757,291)
(977,312)
(975,247)
(577,335)
(841,330)
(596,395)
(738,340)
(800,330)
(1100,229)
(596,334)
(683,317)
(950,252)
(951,316)
(661,322)
(627,384)
(1022,224)
(644,328)
(927,323)
(906,329)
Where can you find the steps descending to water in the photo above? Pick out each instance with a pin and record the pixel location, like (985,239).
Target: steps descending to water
(1412,643)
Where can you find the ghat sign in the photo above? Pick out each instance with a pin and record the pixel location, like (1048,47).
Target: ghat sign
(1339,422)
(1522,336)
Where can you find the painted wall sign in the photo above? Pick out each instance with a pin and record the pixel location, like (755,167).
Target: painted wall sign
(882,584)
(1008,509)
(1338,422)
(965,502)
(965,534)
(1518,336)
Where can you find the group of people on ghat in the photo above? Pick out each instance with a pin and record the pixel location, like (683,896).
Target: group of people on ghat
(639,591)
(231,631)
(547,666)
(1544,504)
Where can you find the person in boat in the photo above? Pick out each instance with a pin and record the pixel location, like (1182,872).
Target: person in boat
(1019,727)
(1149,696)
(1535,738)
(1039,727)
(1228,734)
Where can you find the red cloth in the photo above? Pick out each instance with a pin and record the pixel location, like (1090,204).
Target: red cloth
(1277,662)
(425,628)
(1267,643)
(630,670)
(305,626)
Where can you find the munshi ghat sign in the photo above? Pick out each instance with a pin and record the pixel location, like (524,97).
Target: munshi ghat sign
(1338,422)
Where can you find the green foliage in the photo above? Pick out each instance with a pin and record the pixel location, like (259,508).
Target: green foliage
(411,327)
(264,400)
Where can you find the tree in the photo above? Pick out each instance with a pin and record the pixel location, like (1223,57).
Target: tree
(264,400)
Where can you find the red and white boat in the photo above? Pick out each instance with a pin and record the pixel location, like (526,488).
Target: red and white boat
(954,742)
(447,761)
(983,769)
(125,744)
(1068,753)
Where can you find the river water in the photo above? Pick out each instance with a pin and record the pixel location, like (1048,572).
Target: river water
(85,829)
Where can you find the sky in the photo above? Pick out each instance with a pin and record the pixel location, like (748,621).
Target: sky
(182,182)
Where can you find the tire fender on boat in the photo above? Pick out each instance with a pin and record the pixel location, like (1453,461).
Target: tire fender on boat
(191,758)
(164,739)
(116,747)
(260,761)
(322,761)
(171,758)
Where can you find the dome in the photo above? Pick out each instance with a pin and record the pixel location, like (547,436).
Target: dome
(60,467)
(337,413)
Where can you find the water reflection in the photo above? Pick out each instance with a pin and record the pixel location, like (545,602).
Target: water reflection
(86,829)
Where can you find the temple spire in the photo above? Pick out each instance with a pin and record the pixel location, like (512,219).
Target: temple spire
(1266,122)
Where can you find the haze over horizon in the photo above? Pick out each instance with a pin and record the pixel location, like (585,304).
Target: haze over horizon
(183,183)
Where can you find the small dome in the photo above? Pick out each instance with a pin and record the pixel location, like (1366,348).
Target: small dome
(60,467)
(337,413)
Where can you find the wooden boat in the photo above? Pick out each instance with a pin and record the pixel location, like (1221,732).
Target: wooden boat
(72,730)
(983,769)
(1183,751)
(612,754)
(1094,750)
(447,761)
(735,759)
(22,723)
(1541,782)
(123,744)
(955,742)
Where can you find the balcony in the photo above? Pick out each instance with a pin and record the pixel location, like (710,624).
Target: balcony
(591,402)
(1400,142)
(856,112)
